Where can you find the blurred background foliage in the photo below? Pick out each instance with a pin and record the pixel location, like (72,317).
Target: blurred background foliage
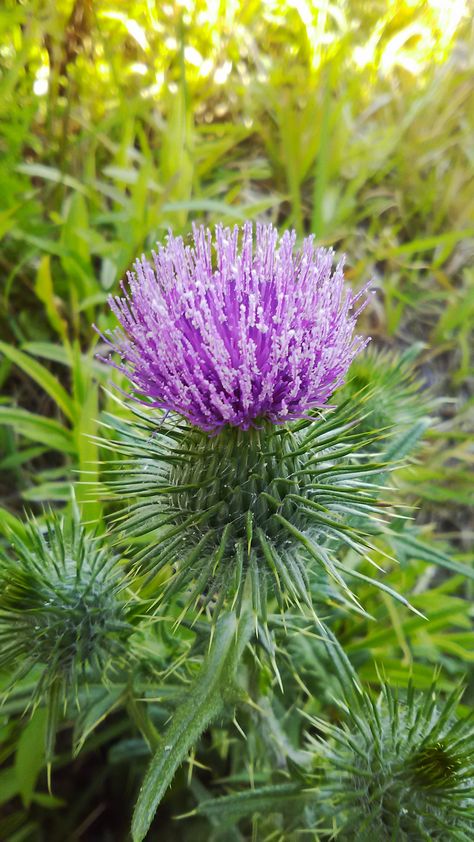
(351,120)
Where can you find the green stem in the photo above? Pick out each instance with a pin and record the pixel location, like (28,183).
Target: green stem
(138,713)
(213,688)
(53,705)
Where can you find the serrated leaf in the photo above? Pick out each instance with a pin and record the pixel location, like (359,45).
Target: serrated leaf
(264,800)
(406,443)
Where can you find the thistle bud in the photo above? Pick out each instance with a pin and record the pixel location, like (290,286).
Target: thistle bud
(63,607)
(399,767)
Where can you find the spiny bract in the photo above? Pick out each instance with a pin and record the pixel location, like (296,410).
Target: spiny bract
(63,607)
(395,768)
(269,503)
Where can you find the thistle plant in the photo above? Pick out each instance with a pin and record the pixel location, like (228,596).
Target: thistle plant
(392,396)
(398,767)
(245,338)
(64,610)
(236,491)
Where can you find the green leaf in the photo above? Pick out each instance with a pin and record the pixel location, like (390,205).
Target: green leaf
(30,756)
(75,259)
(405,444)
(8,522)
(8,784)
(37,428)
(7,220)
(266,799)
(204,701)
(52,174)
(87,398)
(423,244)
(64,356)
(14,460)
(400,675)
(416,549)
(45,799)
(322,169)
(49,351)
(44,378)
(45,292)
(60,492)
(104,701)
(206,206)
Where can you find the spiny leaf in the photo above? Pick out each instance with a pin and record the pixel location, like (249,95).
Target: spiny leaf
(264,800)
(204,701)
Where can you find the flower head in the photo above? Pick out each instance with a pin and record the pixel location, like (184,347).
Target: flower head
(236,328)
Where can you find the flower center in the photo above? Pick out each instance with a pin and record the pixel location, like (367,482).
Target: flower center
(434,766)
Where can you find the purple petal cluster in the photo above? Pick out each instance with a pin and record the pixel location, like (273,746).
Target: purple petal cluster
(237,327)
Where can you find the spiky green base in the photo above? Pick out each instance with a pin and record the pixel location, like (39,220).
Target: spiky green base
(268,503)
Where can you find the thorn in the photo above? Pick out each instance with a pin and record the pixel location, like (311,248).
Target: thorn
(239,729)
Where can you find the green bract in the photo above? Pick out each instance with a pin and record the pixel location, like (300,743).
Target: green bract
(274,503)
(63,607)
(389,390)
(400,767)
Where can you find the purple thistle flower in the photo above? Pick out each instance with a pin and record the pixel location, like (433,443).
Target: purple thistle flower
(229,334)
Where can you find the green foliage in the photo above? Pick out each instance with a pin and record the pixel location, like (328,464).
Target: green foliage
(353,121)
(396,767)
(214,686)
